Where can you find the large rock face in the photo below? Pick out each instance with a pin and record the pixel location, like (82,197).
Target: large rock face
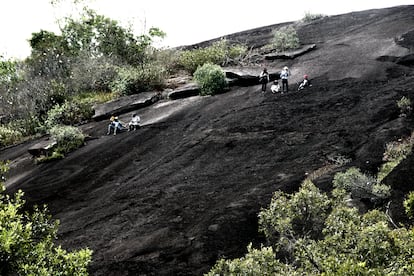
(185,189)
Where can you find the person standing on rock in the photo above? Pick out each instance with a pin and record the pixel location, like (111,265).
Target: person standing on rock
(264,79)
(284,75)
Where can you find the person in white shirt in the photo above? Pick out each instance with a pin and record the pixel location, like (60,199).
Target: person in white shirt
(134,124)
(284,75)
(275,88)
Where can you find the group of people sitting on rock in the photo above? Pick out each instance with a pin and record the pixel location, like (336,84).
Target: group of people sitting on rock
(264,79)
(117,125)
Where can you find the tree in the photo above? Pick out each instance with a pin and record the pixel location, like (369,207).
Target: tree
(27,241)
(348,243)
(100,35)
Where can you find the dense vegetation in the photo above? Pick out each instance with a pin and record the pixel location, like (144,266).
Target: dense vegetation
(27,241)
(96,59)
(315,233)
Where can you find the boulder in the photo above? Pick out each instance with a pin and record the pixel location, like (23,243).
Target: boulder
(187,90)
(291,54)
(247,76)
(125,104)
(44,147)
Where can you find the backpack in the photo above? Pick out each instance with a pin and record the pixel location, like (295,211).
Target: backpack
(263,79)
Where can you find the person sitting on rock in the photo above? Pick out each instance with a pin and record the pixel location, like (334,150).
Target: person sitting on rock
(275,88)
(305,83)
(115,125)
(264,79)
(134,123)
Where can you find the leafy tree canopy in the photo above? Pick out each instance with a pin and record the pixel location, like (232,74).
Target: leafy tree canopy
(27,241)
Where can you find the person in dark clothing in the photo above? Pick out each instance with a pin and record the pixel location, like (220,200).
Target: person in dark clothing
(264,79)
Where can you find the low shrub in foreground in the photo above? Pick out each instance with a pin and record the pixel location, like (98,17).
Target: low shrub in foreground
(211,79)
(27,241)
(343,241)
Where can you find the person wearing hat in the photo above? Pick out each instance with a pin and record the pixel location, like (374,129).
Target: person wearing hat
(284,75)
(114,125)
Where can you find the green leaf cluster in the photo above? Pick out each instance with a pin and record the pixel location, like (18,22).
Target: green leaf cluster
(9,136)
(308,17)
(211,79)
(285,39)
(395,152)
(68,138)
(220,53)
(27,241)
(361,185)
(69,113)
(404,104)
(134,80)
(311,233)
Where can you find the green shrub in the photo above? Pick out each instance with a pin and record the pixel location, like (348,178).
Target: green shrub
(312,16)
(9,136)
(69,113)
(255,262)
(360,185)
(68,138)
(132,80)
(94,97)
(409,205)
(299,215)
(395,152)
(27,241)
(404,104)
(29,125)
(285,39)
(210,78)
(219,53)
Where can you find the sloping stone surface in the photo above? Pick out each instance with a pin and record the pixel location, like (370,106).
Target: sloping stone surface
(125,104)
(185,189)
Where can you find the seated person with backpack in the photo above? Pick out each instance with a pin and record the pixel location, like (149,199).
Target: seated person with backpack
(305,83)
(115,125)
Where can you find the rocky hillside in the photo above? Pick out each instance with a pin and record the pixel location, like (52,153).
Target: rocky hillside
(185,189)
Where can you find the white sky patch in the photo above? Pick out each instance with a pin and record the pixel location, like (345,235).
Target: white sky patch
(185,21)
